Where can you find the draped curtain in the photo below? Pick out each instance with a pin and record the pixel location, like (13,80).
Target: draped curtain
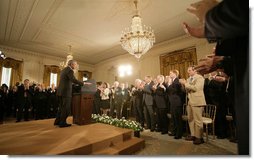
(50,69)
(179,60)
(16,72)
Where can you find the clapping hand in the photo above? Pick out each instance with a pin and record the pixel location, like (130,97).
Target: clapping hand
(208,64)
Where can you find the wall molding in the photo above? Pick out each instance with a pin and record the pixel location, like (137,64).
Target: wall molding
(7,49)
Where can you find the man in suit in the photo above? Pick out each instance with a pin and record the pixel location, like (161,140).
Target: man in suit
(64,93)
(24,100)
(228,24)
(194,86)
(175,94)
(215,93)
(118,100)
(137,95)
(148,103)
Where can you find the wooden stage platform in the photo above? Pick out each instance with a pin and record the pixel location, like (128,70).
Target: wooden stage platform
(41,137)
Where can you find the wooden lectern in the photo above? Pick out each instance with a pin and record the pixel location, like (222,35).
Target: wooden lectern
(82,105)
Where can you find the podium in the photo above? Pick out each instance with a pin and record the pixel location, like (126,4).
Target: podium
(82,105)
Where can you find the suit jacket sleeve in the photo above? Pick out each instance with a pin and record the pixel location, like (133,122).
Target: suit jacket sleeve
(228,19)
(73,79)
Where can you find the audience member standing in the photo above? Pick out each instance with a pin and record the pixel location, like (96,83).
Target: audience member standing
(137,95)
(24,101)
(125,99)
(14,100)
(105,104)
(118,99)
(175,99)
(215,93)
(148,103)
(161,104)
(52,101)
(40,103)
(194,86)
(1,105)
(97,99)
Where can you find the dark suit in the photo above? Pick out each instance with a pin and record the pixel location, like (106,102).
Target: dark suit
(175,99)
(137,103)
(162,109)
(1,106)
(118,101)
(64,93)
(215,93)
(97,102)
(24,102)
(148,106)
(228,24)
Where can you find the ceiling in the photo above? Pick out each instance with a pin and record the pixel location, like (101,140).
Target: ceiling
(92,27)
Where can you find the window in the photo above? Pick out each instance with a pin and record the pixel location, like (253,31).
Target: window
(6,76)
(53,78)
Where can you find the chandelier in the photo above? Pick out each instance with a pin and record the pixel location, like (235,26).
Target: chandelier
(64,64)
(137,39)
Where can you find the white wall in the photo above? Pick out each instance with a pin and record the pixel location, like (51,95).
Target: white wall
(149,64)
(33,63)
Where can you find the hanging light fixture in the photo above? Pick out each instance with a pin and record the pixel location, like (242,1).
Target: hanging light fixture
(137,39)
(64,64)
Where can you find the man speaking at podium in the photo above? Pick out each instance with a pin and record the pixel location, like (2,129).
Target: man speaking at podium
(64,93)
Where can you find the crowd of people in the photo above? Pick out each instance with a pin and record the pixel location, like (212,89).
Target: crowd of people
(28,101)
(149,101)
(152,100)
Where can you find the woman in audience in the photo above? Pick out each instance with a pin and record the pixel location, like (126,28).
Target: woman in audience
(161,104)
(105,105)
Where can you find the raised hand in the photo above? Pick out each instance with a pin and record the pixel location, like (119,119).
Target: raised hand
(197,32)
(199,9)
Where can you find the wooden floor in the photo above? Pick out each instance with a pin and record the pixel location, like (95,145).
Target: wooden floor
(43,138)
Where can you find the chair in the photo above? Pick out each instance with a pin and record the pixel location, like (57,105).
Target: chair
(208,117)
(229,118)
(185,117)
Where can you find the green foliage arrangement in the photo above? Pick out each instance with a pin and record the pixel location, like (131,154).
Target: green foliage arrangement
(123,123)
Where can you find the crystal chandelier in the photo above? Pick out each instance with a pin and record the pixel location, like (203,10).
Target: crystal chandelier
(64,64)
(137,39)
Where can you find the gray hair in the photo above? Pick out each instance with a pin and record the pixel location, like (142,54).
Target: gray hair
(70,62)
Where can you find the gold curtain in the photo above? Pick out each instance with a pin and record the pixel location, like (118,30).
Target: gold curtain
(16,69)
(50,69)
(179,60)
(81,75)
